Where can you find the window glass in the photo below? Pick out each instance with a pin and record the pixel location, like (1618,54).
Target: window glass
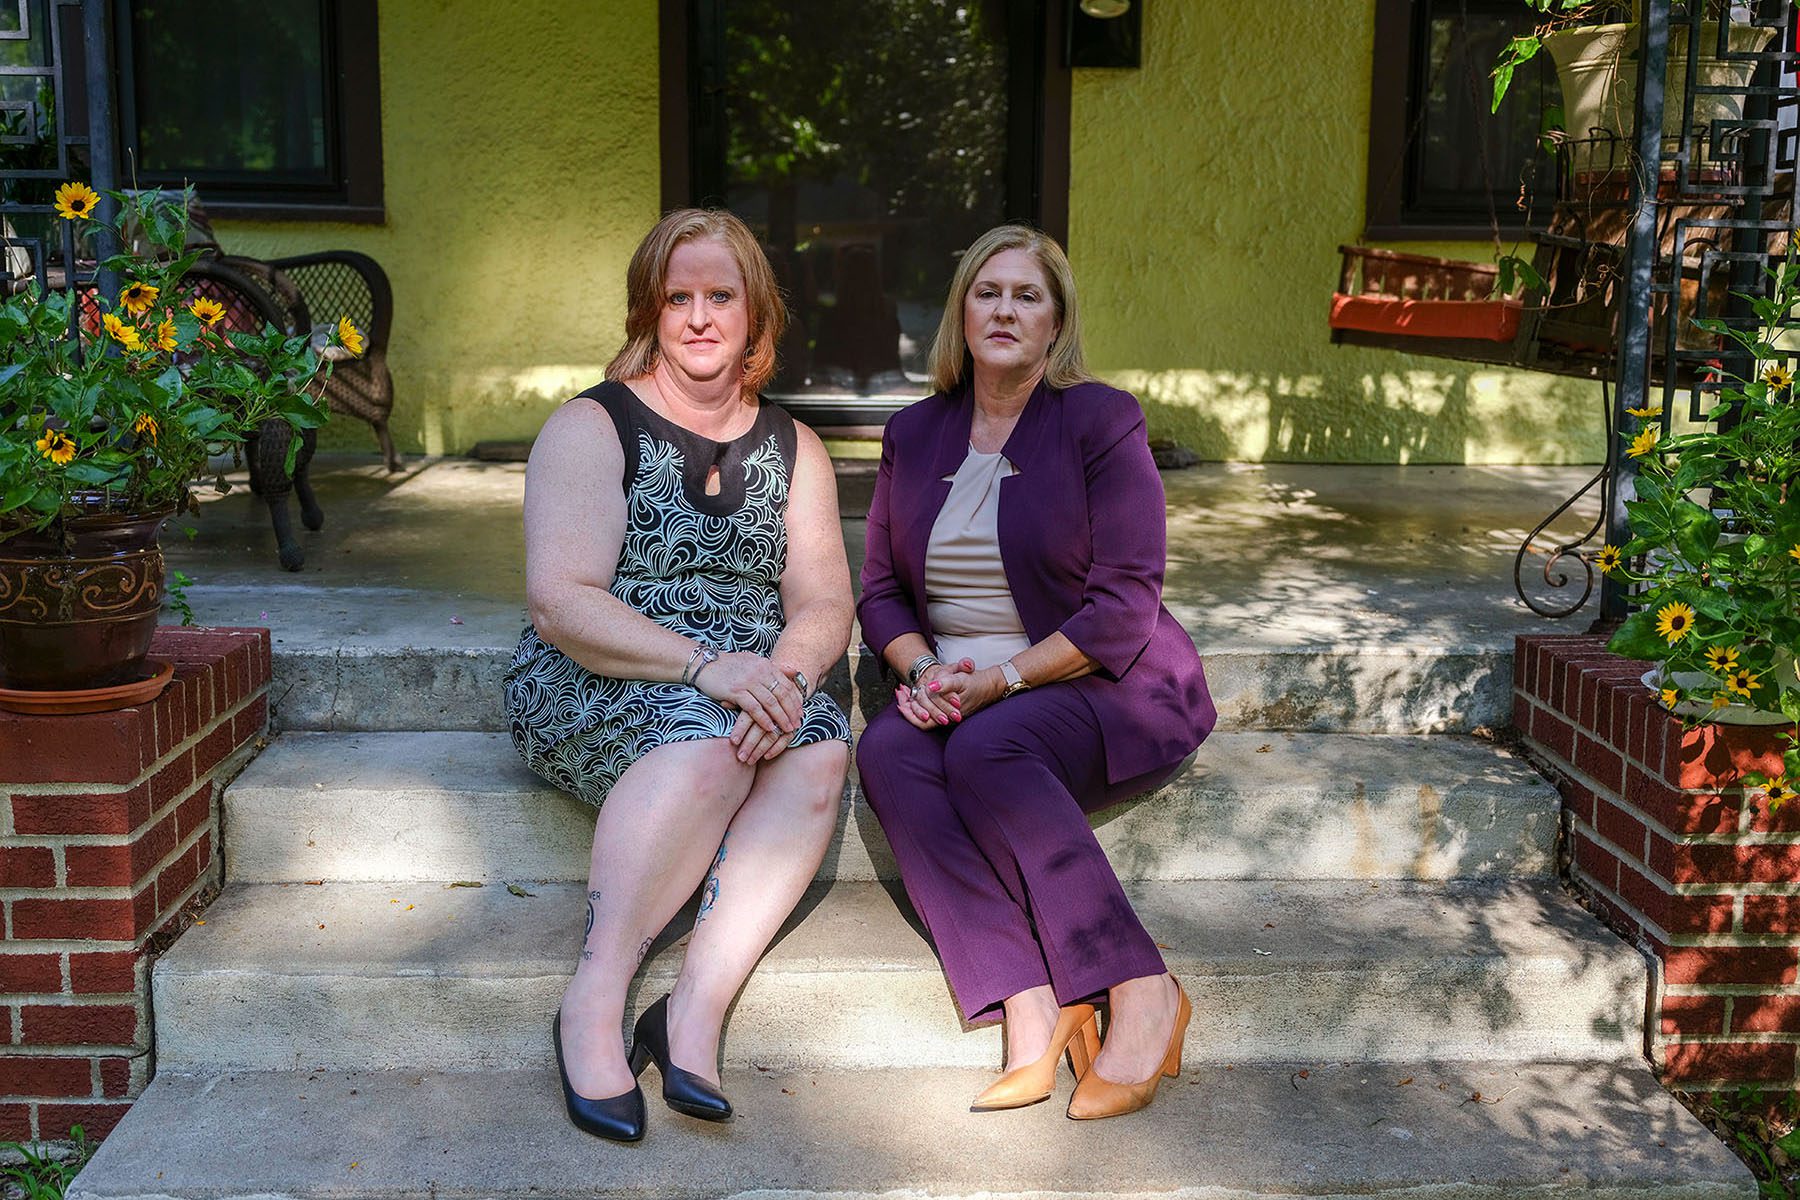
(1464,161)
(866,146)
(224,89)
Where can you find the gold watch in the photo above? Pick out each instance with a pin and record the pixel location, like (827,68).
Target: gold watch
(1015,682)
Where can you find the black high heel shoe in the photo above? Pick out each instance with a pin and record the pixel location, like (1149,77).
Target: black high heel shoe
(683,1091)
(619,1118)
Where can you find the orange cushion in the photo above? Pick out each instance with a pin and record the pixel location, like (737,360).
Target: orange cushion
(1486,320)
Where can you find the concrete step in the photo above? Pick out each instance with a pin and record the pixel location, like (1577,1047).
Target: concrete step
(388,976)
(370,806)
(1602,1130)
(369,683)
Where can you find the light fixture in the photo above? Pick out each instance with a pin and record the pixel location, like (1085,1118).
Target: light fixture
(1102,33)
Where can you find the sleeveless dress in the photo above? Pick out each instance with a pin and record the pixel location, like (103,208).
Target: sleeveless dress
(705,566)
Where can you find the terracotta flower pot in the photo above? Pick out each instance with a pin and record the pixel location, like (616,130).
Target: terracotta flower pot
(77,610)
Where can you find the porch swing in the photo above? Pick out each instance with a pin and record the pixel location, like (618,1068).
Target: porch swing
(1446,308)
(1569,321)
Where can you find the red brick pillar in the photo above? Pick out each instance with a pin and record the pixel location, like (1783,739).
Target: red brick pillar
(107,828)
(1667,841)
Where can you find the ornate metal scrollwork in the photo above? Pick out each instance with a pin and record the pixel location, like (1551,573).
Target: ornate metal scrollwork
(1552,575)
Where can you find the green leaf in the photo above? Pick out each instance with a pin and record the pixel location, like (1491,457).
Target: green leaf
(1696,531)
(1637,638)
(93,474)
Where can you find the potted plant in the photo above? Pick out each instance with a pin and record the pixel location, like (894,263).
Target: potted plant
(1715,550)
(1595,48)
(110,407)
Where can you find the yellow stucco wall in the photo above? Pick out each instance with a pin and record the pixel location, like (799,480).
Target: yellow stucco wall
(521,169)
(1209,191)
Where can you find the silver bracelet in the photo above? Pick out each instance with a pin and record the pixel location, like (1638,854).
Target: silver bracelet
(921,664)
(703,654)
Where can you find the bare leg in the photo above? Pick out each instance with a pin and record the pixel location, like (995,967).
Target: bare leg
(1030,1020)
(658,830)
(1141,1021)
(768,857)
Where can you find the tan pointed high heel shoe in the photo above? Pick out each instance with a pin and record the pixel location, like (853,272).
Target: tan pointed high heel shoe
(1097,1096)
(1077,1032)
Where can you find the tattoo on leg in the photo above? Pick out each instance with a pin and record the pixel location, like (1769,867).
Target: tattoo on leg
(709,891)
(586,953)
(644,949)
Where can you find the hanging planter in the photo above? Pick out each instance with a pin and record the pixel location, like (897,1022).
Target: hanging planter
(1597,66)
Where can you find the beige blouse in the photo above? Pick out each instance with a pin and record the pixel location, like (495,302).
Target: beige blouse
(967,598)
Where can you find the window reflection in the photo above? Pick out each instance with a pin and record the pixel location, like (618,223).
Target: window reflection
(867,147)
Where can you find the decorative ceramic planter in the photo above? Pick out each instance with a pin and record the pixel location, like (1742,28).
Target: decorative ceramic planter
(1657,678)
(78,609)
(1597,68)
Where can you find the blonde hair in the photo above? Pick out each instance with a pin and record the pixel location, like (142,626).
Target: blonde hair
(951,362)
(649,271)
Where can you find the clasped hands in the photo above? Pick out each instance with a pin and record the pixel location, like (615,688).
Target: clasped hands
(948,692)
(766,694)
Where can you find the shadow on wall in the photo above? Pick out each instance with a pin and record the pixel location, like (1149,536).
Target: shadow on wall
(1394,414)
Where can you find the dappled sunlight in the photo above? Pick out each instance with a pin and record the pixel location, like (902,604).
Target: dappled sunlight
(1314,556)
(1437,414)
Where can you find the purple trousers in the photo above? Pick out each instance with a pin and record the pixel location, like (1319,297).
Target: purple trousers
(987,821)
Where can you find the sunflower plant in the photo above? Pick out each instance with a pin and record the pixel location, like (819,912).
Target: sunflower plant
(117,407)
(1715,551)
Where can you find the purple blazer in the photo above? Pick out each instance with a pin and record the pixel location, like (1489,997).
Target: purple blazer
(1083,540)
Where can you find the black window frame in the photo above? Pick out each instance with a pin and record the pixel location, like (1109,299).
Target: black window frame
(353,107)
(1395,94)
(692,131)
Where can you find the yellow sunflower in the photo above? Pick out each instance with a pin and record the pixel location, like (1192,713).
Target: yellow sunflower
(165,336)
(57,446)
(209,311)
(1647,412)
(1608,559)
(350,336)
(145,426)
(1777,792)
(138,297)
(1794,552)
(1720,700)
(1721,658)
(1777,377)
(1742,682)
(1643,443)
(1674,621)
(75,201)
(125,335)
(1671,697)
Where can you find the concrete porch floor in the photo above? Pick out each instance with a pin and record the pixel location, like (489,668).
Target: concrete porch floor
(1261,557)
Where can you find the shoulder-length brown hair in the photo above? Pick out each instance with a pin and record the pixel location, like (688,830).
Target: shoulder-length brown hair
(951,363)
(649,271)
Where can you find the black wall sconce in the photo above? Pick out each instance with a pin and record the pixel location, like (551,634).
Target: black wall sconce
(1104,33)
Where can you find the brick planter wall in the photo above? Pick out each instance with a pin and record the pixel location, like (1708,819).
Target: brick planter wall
(1664,839)
(107,828)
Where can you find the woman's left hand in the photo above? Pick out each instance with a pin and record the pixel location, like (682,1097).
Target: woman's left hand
(971,691)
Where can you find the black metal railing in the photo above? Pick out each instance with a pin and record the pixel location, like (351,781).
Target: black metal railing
(59,108)
(1707,202)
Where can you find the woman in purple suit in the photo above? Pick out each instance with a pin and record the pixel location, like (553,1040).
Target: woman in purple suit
(1014,581)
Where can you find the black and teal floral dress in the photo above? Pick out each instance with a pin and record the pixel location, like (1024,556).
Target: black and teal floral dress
(705,566)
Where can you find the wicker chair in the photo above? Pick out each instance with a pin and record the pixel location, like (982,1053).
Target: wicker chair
(250,304)
(313,291)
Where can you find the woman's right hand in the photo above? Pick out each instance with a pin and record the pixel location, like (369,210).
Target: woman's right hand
(755,687)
